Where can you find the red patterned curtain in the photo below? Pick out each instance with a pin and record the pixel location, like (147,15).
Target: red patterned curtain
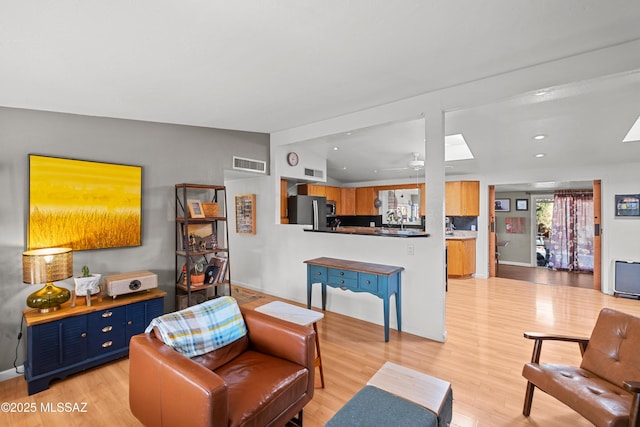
(571,237)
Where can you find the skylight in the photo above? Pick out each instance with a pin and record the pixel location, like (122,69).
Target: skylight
(634,132)
(456,148)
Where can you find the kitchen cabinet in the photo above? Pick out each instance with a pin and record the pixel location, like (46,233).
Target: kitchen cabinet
(462,198)
(461,257)
(364,201)
(284,218)
(333,193)
(312,190)
(347,204)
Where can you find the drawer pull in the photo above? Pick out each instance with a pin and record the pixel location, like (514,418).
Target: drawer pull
(107,329)
(341,281)
(83,335)
(107,314)
(342,273)
(367,282)
(344,288)
(130,322)
(319,273)
(107,344)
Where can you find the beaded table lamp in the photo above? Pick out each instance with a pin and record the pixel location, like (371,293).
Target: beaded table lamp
(47,266)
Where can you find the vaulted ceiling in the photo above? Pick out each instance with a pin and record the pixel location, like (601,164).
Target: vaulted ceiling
(265,66)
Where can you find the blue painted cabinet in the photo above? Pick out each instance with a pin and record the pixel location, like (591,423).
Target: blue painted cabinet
(380,280)
(74,339)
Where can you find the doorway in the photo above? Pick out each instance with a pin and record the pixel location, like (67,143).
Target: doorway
(537,269)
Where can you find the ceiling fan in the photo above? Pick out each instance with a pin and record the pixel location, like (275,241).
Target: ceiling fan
(416,164)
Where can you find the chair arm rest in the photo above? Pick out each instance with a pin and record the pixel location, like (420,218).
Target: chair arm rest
(289,341)
(632,386)
(634,410)
(168,388)
(541,337)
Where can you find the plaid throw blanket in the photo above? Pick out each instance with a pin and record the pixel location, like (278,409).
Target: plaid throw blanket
(202,328)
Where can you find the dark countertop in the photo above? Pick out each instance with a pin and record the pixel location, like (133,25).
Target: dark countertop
(373,231)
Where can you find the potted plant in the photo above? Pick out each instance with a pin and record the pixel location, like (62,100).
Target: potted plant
(197,274)
(87,284)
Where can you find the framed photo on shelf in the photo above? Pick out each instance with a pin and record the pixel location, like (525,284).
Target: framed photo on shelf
(245,213)
(503,205)
(195,209)
(522,204)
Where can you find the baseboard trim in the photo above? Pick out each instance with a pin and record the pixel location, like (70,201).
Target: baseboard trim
(11,373)
(519,264)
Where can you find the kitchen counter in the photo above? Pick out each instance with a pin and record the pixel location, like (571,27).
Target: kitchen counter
(373,231)
(461,235)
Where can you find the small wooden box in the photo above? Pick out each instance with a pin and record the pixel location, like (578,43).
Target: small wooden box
(197,297)
(211,209)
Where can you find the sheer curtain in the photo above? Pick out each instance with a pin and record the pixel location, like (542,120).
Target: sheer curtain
(571,237)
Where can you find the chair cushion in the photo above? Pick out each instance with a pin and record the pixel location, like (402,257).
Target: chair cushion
(202,328)
(260,387)
(597,400)
(613,352)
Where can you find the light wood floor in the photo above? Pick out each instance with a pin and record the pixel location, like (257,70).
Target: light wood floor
(482,358)
(545,276)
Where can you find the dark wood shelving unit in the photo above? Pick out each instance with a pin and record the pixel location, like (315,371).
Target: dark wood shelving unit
(192,234)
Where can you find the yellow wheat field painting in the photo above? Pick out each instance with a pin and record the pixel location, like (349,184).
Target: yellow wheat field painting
(83,205)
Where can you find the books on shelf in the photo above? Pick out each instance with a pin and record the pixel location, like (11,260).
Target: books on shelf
(218,266)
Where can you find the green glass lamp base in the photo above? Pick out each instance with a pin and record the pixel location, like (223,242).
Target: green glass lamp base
(48,298)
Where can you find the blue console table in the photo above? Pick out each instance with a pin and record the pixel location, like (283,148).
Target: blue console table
(377,279)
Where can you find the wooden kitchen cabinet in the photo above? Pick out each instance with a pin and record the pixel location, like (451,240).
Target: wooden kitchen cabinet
(284,219)
(312,190)
(333,193)
(364,201)
(462,198)
(461,260)
(347,204)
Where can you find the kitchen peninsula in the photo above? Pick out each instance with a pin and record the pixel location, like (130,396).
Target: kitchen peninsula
(373,231)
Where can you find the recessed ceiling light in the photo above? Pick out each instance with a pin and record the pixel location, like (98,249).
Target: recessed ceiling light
(540,155)
(336,148)
(539,137)
(344,168)
(542,92)
(348,133)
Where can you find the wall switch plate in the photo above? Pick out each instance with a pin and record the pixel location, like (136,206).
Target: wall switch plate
(410,249)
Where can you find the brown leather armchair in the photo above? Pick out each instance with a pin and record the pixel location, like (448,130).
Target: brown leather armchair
(605,388)
(262,379)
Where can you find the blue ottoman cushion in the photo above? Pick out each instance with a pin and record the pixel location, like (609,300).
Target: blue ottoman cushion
(372,407)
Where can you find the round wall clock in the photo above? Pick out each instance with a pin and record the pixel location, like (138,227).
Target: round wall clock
(292,158)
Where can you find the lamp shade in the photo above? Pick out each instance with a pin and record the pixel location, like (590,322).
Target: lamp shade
(47,265)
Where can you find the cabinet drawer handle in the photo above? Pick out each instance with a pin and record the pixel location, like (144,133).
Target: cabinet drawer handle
(341,281)
(344,288)
(83,335)
(319,273)
(107,329)
(130,322)
(107,344)
(367,282)
(342,273)
(107,314)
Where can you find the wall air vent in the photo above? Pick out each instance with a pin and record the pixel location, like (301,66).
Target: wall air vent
(313,172)
(250,165)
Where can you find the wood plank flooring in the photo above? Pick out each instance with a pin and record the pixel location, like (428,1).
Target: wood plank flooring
(482,358)
(545,276)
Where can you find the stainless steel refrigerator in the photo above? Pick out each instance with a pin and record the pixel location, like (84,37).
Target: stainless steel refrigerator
(310,210)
